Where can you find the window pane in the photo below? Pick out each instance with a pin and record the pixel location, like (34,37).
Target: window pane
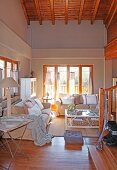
(8,69)
(62,80)
(85,79)
(74,80)
(50,81)
(2,63)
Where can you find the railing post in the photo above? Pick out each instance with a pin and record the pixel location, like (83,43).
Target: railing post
(109,104)
(101,108)
(116,103)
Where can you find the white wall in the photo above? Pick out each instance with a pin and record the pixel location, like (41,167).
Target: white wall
(108,73)
(12,15)
(73,35)
(68,44)
(83,53)
(13,47)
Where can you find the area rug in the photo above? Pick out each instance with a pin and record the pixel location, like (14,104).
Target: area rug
(57,128)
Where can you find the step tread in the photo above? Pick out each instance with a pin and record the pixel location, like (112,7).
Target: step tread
(112,151)
(101,159)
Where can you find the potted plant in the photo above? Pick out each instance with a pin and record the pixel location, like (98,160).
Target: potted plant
(71,108)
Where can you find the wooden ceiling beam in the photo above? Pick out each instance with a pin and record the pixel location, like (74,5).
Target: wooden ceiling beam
(66,12)
(25,12)
(52,11)
(81,11)
(95,11)
(111,13)
(37,5)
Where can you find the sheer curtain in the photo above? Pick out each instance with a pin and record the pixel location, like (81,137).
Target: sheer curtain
(14,74)
(1,90)
(48,83)
(91,90)
(72,83)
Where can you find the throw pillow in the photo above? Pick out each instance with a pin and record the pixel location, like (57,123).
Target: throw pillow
(69,100)
(35,110)
(91,99)
(76,99)
(28,104)
(84,98)
(39,103)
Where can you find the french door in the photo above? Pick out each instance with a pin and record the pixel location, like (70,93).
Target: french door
(68,79)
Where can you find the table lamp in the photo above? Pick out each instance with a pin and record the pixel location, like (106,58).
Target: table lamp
(8,83)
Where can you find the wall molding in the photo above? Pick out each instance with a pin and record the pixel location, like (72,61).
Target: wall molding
(68,58)
(68,53)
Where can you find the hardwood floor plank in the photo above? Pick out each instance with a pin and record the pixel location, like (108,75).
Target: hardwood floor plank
(54,156)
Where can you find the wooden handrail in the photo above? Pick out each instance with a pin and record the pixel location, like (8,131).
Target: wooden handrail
(111,101)
(111,88)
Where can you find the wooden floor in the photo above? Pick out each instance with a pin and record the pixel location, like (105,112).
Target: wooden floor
(54,156)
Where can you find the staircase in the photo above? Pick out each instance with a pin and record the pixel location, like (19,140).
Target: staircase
(111,104)
(105,159)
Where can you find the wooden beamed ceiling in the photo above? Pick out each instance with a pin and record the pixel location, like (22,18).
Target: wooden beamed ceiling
(69,10)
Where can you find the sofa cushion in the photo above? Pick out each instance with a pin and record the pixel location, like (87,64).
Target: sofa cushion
(82,106)
(19,108)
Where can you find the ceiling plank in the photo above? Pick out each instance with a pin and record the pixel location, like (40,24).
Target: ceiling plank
(111,50)
(66,12)
(111,13)
(81,11)
(25,12)
(95,11)
(52,11)
(37,5)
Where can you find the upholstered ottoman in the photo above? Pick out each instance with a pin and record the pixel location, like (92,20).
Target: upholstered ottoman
(73,137)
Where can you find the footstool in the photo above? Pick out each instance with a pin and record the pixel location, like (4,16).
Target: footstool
(73,137)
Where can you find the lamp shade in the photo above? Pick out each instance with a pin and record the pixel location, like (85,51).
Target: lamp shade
(8,82)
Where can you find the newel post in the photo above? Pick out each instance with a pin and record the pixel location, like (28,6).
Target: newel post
(101,108)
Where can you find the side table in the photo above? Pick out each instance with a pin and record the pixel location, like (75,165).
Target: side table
(7,126)
(47,99)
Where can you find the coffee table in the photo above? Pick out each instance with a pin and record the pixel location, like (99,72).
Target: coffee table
(81,119)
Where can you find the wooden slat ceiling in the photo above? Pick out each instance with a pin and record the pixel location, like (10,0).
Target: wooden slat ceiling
(69,10)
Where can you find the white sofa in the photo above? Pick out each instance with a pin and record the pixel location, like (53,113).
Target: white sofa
(22,108)
(84,101)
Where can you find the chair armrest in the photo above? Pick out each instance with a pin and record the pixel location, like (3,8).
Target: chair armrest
(46,105)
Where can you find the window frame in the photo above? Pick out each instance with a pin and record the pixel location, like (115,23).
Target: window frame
(68,76)
(13,63)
